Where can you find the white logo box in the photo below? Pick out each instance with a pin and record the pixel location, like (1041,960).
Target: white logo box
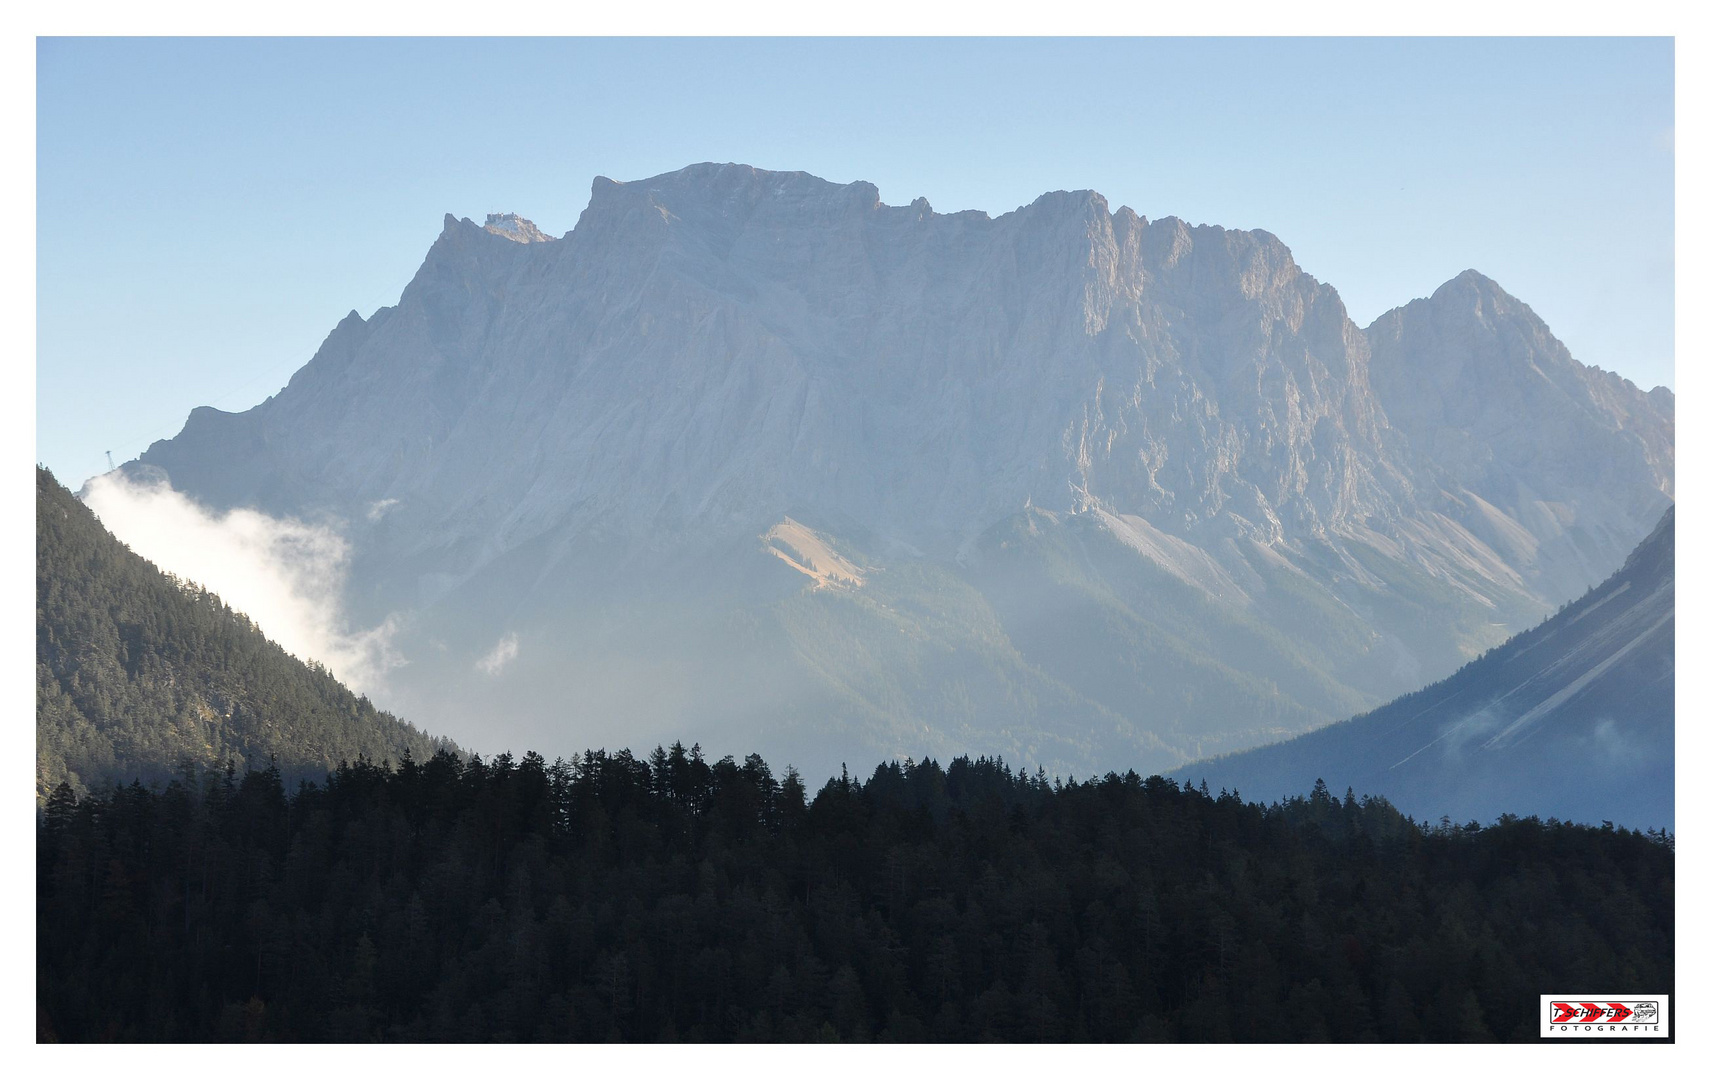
(1588,1016)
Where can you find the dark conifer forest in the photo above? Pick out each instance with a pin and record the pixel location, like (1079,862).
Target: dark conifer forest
(673,898)
(138,671)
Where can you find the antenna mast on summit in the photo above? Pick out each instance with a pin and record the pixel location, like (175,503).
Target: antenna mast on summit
(110,465)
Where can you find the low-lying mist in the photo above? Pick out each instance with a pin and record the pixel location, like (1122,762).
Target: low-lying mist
(286,575)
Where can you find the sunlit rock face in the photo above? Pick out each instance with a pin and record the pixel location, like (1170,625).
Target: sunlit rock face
(1558,466)
(625,412)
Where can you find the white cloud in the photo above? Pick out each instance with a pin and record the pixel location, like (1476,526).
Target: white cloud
(501,655)
(286,575)
(377,510)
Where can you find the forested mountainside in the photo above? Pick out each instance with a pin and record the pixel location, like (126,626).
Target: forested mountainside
(1574,718)
(672,898)
(1105,491)
(139,674)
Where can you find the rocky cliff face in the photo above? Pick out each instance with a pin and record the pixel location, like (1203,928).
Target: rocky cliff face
(1555,465)
(716,349)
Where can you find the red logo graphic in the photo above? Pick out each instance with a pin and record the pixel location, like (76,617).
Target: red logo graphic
(1589,1012)
(1588,1017)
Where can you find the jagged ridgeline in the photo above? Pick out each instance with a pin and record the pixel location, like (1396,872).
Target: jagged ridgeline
(138,673)
(759,460)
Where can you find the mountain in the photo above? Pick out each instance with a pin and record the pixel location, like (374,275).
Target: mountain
(138,672)
(1521,432)
(755,457)
(1574,719)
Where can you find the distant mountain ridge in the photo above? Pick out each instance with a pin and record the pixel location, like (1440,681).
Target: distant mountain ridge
(139,674)
(584,441)
(1573,719)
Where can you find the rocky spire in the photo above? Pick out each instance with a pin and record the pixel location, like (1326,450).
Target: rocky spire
(513,227)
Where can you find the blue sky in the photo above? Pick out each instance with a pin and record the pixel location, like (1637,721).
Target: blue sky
(208,209)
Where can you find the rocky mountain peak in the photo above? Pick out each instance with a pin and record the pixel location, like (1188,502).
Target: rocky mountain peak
(1474,281)
(1457,371)
(1081,201)
(717,350)
(710,192)
(513,227)
(1189,372)
(1472,295)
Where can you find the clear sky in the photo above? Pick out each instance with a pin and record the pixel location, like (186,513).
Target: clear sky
(208,209)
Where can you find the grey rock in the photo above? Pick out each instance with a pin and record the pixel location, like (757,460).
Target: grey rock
(1555,465)
(713,350)
(519,229)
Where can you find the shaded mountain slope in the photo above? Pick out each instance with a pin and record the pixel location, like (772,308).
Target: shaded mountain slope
(1574,718)
(138,672)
